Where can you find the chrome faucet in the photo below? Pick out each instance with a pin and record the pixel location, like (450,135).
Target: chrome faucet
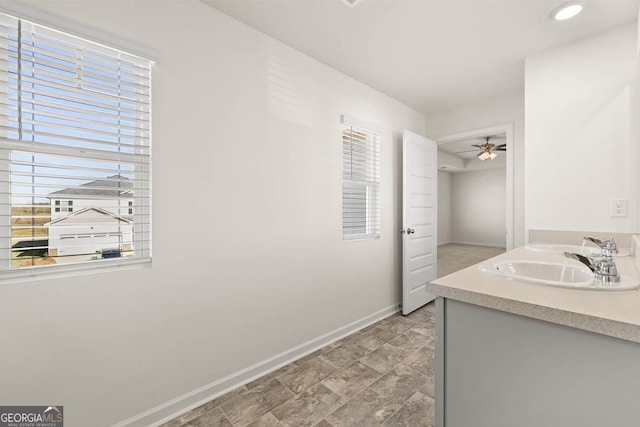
(604,268)
(607,246)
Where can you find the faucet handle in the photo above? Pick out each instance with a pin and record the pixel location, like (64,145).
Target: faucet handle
(594,240)
(609,247)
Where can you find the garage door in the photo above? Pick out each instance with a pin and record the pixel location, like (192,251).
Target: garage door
(80,244)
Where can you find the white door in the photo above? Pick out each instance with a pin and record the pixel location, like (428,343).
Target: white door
(419,239)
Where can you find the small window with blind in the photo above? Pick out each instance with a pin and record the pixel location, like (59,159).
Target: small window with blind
(75,142)
(360,180)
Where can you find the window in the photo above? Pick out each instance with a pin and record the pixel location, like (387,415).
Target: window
(360,180)
(67,205)
(75,144)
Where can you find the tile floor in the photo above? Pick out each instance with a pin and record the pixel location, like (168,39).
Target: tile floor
(454,257)
(382,375)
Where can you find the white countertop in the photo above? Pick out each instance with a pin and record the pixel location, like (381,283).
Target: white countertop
(616,314)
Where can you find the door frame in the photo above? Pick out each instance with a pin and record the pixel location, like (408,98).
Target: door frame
(508,130)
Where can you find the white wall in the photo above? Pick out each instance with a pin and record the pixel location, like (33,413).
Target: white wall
(444,207)
(493,112)
(449,161)
(248,256)
(478,214)
(635,128)
(578,151)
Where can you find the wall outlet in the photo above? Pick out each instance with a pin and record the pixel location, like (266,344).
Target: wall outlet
(618,207)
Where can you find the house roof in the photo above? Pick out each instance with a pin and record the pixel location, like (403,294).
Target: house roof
(111,186)
(88,216)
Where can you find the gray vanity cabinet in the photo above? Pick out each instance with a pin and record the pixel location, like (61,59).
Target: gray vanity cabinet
(496,369)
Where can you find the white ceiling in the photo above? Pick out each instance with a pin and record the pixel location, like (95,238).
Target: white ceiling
(430,54)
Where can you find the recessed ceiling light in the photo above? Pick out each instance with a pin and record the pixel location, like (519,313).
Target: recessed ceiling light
(566,11)
(350,3)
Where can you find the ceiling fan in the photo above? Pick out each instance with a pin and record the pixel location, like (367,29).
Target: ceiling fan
(487,149)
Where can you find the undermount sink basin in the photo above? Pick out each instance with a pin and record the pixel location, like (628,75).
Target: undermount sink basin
(582,250)
(556,274)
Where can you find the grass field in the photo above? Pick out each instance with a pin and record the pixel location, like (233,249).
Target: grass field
(27,225)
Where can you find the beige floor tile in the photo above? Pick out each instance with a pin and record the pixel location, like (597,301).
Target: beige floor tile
(273,375)
(396,324)
(418,411)
(429,388)
(345,355)
(254,403)
(267,420)
(454,257)
(351,380)
(367,409)
(423,316)
(422,360)
(429,331)
(307,374)
(372,338)
(308,408)
(399,384)
(182,419)
(315,354)
(212,418)
(385,358)
(411,340)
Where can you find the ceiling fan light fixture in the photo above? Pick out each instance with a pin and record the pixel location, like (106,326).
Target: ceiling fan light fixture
(485,155)
(492,155)
(566,11)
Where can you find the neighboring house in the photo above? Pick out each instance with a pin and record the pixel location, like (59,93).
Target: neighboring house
(92,218)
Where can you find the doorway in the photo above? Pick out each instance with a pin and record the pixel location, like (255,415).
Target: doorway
(475,196)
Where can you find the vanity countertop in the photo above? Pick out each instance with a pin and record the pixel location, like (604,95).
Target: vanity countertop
(616,314)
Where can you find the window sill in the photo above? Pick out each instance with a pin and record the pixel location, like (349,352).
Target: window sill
(10,277)
(361,237)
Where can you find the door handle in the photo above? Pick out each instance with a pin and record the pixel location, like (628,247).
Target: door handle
(408,231)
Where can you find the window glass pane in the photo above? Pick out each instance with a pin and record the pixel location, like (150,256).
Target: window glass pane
(74,150)
(361,178)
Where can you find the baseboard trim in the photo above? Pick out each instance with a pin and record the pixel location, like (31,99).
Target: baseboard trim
(489,245)
(448,242)
(191,400)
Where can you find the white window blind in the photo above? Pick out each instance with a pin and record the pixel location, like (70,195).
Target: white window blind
(75,141)
(360,180)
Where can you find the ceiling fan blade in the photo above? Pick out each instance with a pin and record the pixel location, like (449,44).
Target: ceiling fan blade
(500,149)
(501,146)
(474,145)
